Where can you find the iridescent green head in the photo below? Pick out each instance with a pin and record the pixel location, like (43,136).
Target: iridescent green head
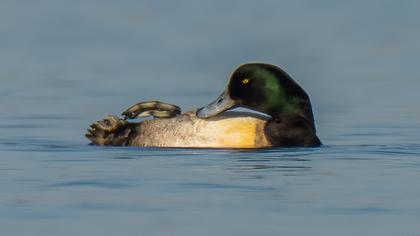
(261,87)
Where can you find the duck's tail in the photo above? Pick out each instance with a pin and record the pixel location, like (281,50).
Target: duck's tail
(111,131)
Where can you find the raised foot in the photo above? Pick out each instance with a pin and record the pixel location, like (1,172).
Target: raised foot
(109,131)
(152,108)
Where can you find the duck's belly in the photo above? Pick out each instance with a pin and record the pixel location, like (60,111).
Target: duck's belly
(229,130)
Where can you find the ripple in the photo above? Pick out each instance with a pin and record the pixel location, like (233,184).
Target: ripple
(86,183)
(224,186)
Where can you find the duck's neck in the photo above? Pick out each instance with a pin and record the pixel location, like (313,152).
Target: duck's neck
(293,107)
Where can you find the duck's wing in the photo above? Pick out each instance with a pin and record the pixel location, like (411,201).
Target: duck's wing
(230,130)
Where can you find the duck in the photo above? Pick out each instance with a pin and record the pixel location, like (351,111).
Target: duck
(283,117)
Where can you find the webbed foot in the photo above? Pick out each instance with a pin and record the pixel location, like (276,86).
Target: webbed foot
(110,131)
(153,108)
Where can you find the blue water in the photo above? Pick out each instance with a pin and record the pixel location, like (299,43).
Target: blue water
(65,64)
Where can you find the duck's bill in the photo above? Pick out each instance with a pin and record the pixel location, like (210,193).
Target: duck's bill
(221,104)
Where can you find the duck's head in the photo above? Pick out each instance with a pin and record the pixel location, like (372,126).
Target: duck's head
(261,87)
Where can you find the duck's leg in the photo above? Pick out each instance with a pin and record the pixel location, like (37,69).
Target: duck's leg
(115,131)
(112,131)
(153,108)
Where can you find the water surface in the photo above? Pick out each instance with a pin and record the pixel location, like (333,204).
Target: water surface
(65,64)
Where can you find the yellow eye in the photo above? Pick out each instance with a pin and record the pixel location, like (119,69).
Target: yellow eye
(245,81)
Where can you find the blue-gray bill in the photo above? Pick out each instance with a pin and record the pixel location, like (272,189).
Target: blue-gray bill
(221,104)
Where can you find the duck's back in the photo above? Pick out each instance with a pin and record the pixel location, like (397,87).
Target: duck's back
(228,130)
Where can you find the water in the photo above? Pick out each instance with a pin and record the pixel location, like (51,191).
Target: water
(66,64)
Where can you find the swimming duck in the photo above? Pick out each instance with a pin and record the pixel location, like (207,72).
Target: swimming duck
(261,87)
